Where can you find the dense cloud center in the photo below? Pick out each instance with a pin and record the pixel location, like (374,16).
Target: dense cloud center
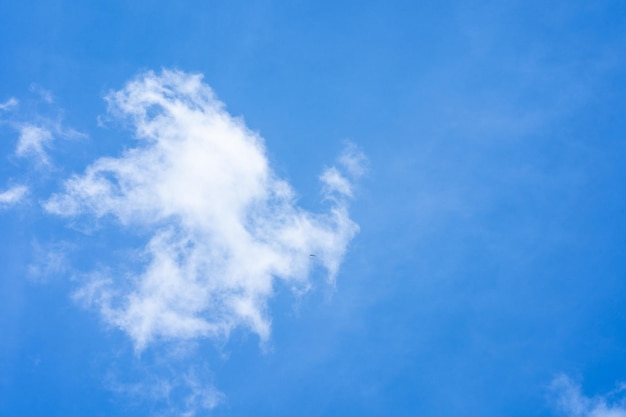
(223,225)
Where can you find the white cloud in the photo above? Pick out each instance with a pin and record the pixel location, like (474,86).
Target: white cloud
(187,394)
(49,261)
(13,195)
(354,160)
(571,402)
(200,396)
(9,104)
(32,142)
(223,226)
(37,134)
(35,139)
(44,94)
(336,182)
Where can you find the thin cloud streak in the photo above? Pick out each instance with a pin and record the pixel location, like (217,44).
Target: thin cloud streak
(223,226)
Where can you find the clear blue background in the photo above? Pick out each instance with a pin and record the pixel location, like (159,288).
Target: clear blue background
(491,252)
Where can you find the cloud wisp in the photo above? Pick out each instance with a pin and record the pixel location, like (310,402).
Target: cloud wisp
(33,141)
(187,393)
(13,195)
(37,132)
(222,226)
(45,95)
(571,402)
(9,104)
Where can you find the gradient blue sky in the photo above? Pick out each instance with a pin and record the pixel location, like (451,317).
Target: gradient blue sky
(488,275)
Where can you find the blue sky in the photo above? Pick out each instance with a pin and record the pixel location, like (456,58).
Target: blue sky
(456,168)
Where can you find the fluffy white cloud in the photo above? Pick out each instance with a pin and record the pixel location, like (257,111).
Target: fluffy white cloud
(13,195)
(571,402)
(223,226)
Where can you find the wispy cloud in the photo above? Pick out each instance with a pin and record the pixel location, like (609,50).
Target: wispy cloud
(33,141)
(224,226)
(37,132)
(49,260)
(187,394)
(571,402)
(13,195)
(334,181)
(354,160)
(45,95)
(9,104)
